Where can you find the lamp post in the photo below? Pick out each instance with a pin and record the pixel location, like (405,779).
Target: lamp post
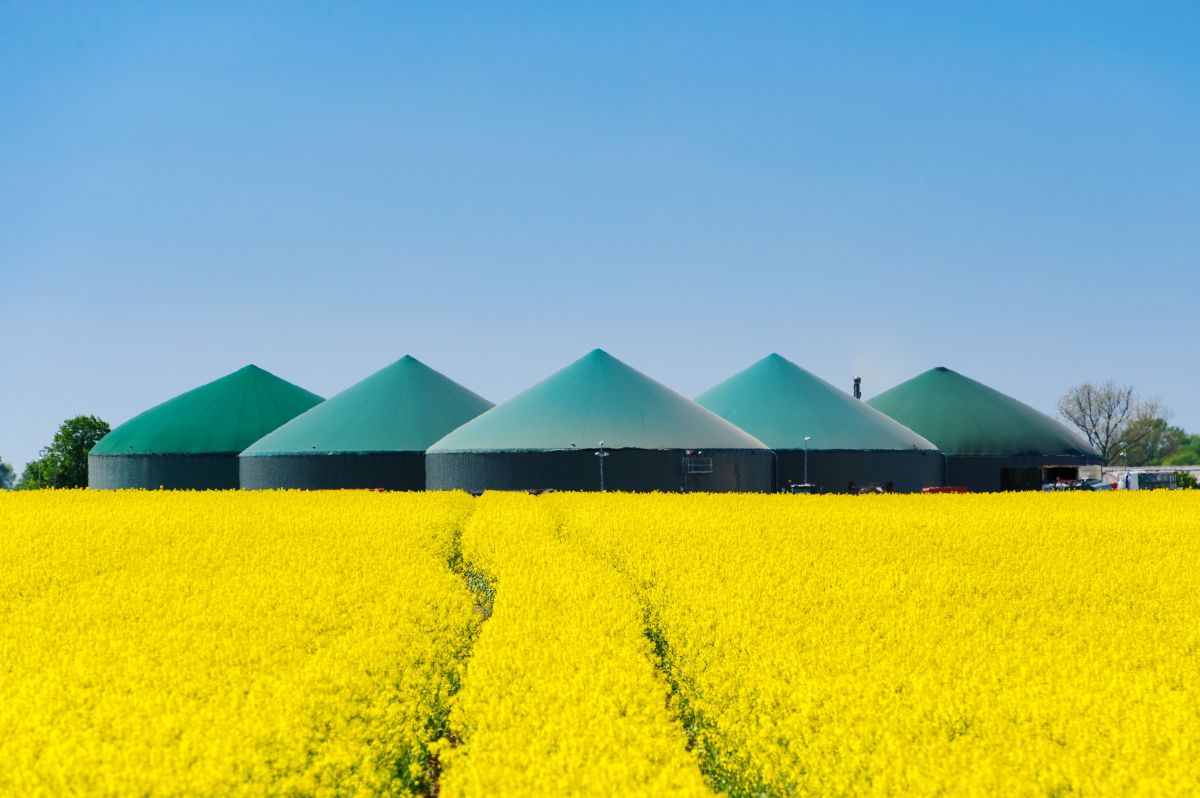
(601,454)
(807,438)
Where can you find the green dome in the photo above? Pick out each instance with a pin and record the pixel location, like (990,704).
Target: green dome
(403,407)
(224,416)
(965,417)
(780,403)
(596,398)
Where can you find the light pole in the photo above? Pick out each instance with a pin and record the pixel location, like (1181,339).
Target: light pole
(600,453)
(807,438)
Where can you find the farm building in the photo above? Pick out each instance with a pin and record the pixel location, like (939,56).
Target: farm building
(990,441)
(822,435)
(372,435)
(599,424)
(192,442)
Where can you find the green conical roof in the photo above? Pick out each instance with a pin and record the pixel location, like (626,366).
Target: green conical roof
(596,398)
(962,416)
(403,407)
(780,403)
(224,416)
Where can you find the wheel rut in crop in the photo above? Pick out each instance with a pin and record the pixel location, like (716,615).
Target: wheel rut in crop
(483,589)
(728,772)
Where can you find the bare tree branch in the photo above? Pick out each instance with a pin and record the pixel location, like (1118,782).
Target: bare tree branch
(1111,416)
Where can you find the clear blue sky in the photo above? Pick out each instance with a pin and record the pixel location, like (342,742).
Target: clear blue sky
(1011,190)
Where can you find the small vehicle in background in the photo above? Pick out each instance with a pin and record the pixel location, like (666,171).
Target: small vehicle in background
(1078,484)
(1091,484)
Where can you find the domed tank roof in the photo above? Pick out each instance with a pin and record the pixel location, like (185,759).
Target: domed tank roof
(596,398)
(780,403)
(224,416)
(403,407)
(962,416)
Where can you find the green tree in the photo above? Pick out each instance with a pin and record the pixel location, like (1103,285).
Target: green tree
(69,449)
(1188,452)
(7,475)
(36,475)
(1152,441)
(63,463)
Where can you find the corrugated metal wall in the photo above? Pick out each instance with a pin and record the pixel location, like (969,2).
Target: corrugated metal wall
(170,471)
(844,471)
(371,470)
(732,470)
(985,474)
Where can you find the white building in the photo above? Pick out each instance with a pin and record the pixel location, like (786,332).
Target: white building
(1132,478)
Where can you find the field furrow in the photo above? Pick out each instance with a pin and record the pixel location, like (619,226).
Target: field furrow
(561,695)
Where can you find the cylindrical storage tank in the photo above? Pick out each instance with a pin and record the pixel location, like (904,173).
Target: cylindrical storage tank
(991,442)
(372,435)
(850,446)
(192,442)
(599,424)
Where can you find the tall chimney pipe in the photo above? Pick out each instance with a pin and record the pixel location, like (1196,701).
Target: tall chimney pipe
(858,387)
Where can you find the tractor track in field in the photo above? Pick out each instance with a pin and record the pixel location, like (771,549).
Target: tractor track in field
(483,590)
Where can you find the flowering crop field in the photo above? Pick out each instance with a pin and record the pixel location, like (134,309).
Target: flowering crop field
(222,644)
(581,644)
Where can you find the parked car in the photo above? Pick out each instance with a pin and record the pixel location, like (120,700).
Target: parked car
(1078,484)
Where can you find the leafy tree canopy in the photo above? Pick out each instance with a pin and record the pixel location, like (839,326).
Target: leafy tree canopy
(1153,440)
(63,463)
(1188,452)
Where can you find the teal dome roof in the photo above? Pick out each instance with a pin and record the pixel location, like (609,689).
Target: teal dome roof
(403,407)
(780,403)
(224,416)
(596,398)
(966,417)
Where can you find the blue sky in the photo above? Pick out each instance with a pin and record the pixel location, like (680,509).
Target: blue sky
(1011,190)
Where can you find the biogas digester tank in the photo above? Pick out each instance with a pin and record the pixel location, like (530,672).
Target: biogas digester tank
(850,446)
(372,435)
(549,437)
(192,442)
(991,441)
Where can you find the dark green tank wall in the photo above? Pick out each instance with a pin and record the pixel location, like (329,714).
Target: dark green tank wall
(987,474)
(370,470)
(634,470)
(905,471)
(168,471)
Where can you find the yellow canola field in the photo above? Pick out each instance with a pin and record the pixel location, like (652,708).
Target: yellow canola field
(339,644)
(560,695)
(1011,645)
(226,643)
